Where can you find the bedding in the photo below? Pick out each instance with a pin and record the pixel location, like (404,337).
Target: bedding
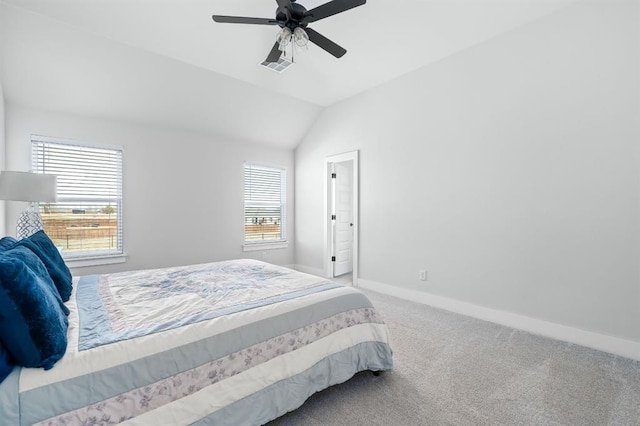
(45,249)
(6,243)
(226,343)
(6,365)
(33,319)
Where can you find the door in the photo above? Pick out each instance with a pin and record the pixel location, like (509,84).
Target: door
(341,257)
(343,222)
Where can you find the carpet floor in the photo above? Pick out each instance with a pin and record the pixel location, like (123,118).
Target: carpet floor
(455,370)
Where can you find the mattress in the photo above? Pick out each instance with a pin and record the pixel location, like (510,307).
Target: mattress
(225,343)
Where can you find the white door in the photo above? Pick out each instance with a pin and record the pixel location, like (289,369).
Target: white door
(343,223)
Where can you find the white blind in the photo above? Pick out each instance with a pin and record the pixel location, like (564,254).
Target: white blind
(264,203)
(87,218)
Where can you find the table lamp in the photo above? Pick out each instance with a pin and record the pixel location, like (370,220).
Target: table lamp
(31,187)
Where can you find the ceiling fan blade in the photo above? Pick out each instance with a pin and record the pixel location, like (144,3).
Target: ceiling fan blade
(284,3)
(275,53)
(330,9)
(325,43)
(244,20)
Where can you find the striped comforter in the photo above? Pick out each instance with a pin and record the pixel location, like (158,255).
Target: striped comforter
(227,343)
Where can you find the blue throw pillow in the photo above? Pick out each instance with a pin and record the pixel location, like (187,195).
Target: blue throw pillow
(6,366)
(7,242)
(33,325)
(41,245)
(34,263)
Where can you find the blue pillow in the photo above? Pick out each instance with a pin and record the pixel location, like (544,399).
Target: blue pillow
(43,247)
(33,262)
(6,366)
(7,242)
(33,325)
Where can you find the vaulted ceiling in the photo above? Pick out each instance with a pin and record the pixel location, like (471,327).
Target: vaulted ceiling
(166,61)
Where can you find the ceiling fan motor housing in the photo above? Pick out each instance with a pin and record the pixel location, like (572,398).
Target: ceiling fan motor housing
(291,17)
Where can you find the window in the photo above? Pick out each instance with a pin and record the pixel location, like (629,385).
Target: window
(265,191)
(86,220)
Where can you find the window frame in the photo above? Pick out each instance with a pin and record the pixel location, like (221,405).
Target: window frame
(89,257)
(272,243)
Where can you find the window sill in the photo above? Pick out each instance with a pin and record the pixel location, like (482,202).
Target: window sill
(84,262)
(265,246)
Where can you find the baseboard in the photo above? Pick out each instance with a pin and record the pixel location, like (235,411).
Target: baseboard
(602,342)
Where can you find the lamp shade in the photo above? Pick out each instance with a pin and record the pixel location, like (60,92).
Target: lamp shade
(25,186)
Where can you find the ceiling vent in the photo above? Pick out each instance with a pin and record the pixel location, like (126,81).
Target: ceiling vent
(279,66)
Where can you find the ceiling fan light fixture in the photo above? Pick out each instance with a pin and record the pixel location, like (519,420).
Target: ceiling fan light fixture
(300,37)
(284,38)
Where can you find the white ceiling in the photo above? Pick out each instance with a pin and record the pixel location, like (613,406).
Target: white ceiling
(209,70)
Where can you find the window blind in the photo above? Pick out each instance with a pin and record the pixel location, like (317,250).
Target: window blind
(264,203)
(86,220)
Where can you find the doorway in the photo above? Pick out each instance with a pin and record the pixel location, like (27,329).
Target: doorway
(341,223)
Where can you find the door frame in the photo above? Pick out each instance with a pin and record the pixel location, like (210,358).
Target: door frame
(328,235)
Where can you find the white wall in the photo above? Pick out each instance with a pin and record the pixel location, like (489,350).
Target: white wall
(509,171)
(2,158)
(2,142)
(183,192)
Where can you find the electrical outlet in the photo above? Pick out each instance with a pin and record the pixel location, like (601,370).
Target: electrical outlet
(423,275)
(264,255)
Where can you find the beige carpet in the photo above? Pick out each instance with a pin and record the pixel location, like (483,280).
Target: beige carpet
(455,370)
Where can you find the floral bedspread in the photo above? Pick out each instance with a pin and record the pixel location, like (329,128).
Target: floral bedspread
(115,307)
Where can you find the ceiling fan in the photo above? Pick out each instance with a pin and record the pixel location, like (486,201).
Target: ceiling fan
(293,18)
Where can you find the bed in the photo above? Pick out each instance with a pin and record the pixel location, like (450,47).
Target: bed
(228,343)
